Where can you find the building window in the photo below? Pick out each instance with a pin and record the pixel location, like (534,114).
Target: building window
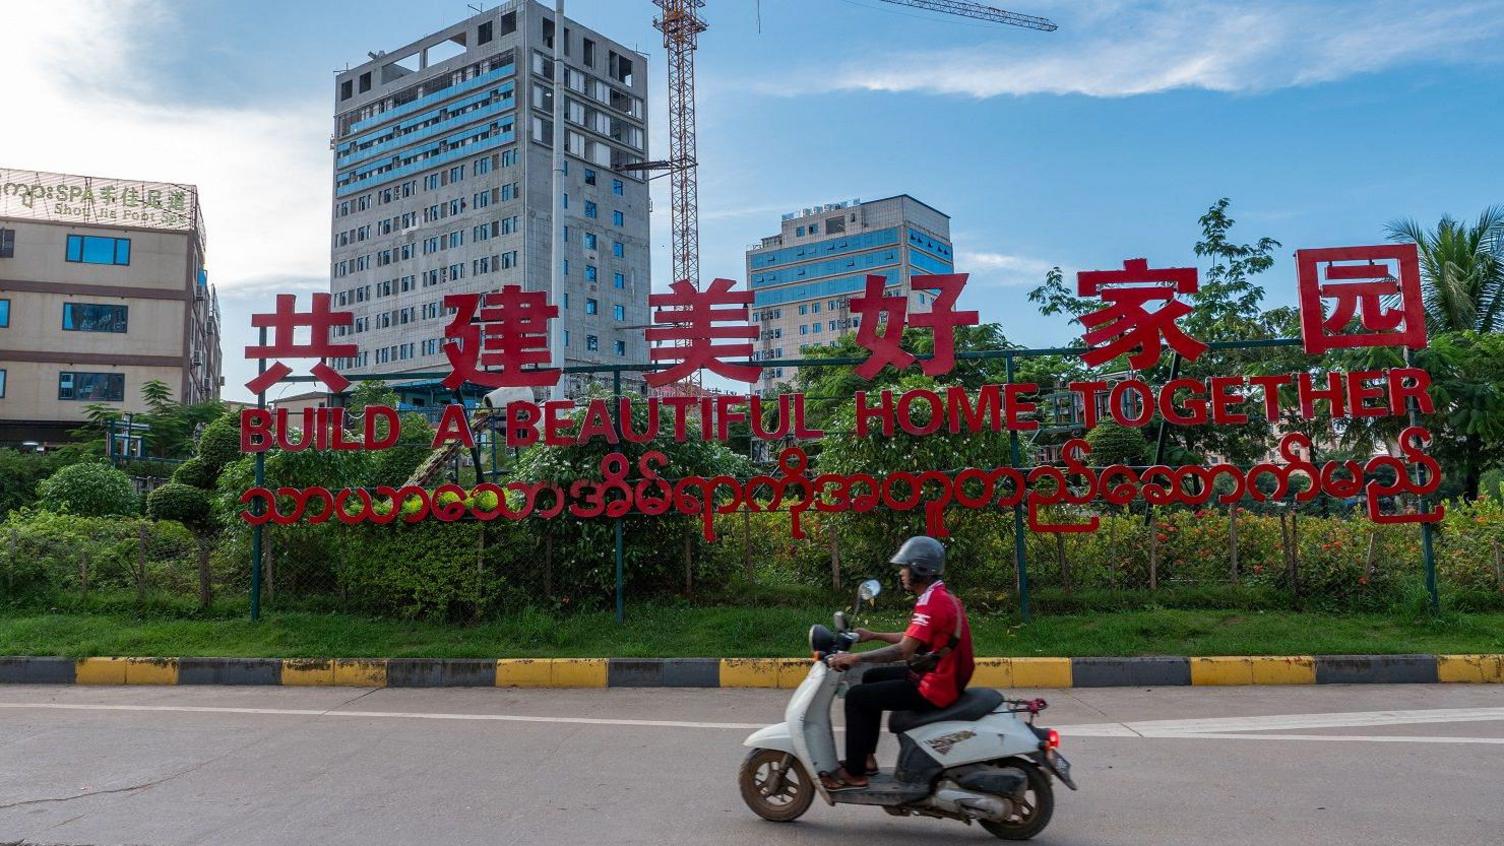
(4,313)
(592,306)
(7,243)
(91,387)
(87,317)
(618,250)
(619,281)
(620,346)
(617,187)
(590,209)
(566,337)
(617,218)
(589,240)
(93,249)
(619,312)
(590,273)
(592,343)
(589,176)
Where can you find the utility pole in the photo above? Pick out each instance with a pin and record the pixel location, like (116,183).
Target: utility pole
(556,215)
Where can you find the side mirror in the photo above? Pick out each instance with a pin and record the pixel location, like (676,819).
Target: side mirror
(868,590)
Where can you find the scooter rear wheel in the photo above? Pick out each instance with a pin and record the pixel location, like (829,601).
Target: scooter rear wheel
(775,786)
(1032,814)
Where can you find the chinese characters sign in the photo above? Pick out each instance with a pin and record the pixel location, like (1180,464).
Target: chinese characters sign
(1349,297)
(1125,325)
(1378,286)
(61,198)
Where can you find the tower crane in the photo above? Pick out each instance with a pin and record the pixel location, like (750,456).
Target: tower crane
(681,24)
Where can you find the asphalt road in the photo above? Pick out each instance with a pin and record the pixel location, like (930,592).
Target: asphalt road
(180,765)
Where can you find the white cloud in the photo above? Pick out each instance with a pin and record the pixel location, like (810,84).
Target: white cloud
(94,108)
(1002,269)
(1118,49)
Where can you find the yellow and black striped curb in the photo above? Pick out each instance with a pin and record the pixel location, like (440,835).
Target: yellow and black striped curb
(746,672)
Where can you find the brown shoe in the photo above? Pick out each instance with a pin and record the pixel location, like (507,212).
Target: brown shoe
(842,780)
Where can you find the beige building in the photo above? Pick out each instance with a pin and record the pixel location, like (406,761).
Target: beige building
(102,289)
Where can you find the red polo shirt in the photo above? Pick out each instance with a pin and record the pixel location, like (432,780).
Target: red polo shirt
(933,624)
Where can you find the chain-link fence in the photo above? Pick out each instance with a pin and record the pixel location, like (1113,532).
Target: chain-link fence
(1263,549)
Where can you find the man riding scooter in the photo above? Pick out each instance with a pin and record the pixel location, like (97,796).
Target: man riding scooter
(936,648)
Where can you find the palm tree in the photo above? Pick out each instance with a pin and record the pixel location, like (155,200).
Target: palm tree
(1462,270)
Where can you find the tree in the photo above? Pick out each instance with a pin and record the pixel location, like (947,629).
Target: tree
(157,396)
(1227,308)
(191,507)
(1227,304)
(1114,444)
(1461,269)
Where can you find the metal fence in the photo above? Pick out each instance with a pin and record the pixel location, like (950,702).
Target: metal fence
(1145,549)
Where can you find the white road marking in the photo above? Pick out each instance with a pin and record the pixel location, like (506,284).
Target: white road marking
(1222,728)
(1369,738)
(407,715)
(1353,719)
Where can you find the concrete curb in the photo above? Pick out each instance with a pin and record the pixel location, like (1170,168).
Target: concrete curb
(785,673)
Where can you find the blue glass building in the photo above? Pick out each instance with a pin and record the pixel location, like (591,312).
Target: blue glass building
(804,276)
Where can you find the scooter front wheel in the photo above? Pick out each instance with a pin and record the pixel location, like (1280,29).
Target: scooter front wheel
(775,786)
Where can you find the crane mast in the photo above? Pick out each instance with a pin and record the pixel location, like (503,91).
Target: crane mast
(681,25)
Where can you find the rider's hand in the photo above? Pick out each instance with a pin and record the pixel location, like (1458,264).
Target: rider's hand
(863,635)
(843,661)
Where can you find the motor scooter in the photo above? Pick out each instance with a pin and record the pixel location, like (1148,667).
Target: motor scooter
(980,760)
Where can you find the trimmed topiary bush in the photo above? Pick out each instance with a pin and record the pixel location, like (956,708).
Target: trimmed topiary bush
(196,473)
(88,490)
(176,501)
(219,444)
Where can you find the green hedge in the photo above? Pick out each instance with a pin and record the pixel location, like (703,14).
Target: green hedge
(48,556)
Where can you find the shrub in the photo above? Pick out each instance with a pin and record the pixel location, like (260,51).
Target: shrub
(195,473)
(19,474)
(176,501)
(393,466)
(88,490)
(441,571)
(48,556)
(219,444)
(1114,444)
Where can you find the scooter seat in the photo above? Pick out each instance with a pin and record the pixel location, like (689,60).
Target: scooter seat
(974,704)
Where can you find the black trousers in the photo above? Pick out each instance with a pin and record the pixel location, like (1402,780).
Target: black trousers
(885,689)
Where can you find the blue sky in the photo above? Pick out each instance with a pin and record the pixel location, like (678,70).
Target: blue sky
(1102,141)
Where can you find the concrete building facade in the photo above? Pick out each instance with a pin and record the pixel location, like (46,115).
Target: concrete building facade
(102,289)
(442,185)
(805,276)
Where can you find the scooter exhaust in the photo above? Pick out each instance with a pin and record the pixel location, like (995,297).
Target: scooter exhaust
(967,805)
